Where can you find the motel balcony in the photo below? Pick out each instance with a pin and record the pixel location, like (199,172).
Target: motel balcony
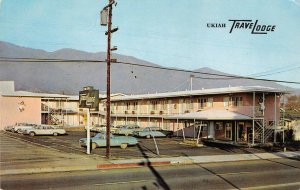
(245,110)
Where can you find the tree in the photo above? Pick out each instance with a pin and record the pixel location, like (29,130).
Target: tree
(293,102)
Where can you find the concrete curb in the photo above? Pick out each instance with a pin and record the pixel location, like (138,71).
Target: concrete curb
(136,164)
(156,162)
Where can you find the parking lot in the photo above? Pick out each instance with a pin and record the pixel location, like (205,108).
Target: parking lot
(168,147)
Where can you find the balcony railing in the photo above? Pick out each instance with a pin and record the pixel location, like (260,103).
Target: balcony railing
(245,110)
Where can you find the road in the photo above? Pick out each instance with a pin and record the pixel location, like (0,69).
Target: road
(259,174)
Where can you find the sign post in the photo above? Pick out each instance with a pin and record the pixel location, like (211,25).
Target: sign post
(88,100)
(88,132)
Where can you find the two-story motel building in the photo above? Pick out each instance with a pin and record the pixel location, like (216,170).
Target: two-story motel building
(230,114)
(249,114)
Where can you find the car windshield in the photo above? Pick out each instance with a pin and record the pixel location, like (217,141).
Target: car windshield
(102,136)
(99,135)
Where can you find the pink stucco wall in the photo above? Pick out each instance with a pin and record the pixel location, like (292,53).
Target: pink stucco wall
(19,110)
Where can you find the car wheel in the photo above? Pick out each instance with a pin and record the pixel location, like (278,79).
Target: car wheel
(19,131)
(31,134)
(123,145)
(55,134)
(148,136)
(94,145)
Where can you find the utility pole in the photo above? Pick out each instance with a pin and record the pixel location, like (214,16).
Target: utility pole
(108,21)
(108,82)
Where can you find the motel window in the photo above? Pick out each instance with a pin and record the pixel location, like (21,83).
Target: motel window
(154,105)
(219,126)
(128,105)
(202,103)
(164,104)
(226,101)
(135,105)
(236,101)
(228,130)
(112,107)
(189,104)
(210,102)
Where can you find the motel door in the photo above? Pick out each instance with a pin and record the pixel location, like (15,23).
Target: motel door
(228,131)
(233,136)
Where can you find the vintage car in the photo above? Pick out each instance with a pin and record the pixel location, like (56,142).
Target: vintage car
(98,128)
(112,129)
(46,130)
(149,132)
(21,127)
(153,132)
(9,128)
(127,130)
(99,140)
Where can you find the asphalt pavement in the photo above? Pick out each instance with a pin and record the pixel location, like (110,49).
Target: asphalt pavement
(254,174)
(26,155)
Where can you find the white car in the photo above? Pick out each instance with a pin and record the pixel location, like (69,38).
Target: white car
(21,127)
(46,130)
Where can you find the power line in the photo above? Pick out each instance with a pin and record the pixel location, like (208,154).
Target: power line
(9,59)
(275,72)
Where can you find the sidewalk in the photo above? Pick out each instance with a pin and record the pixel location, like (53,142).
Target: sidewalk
(85,163)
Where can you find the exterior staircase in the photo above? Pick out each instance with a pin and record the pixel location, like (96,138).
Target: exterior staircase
(264,132)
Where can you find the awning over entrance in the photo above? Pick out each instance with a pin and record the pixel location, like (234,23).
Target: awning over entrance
(211,114)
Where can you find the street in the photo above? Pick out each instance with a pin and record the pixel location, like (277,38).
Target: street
(260,174)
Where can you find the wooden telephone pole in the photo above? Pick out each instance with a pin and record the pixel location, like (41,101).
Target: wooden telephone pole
(108,21)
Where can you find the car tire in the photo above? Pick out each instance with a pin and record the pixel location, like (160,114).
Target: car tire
(19,131)
(55,134)
(94,146)
(148,136)
(123,145)
(31,134)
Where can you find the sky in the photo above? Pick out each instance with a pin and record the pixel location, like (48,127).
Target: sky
(167,32)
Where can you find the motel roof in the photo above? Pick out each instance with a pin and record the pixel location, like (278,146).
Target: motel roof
(212,91)
(32,94)
(211,114)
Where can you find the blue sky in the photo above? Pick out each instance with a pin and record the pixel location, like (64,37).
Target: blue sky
(166,32)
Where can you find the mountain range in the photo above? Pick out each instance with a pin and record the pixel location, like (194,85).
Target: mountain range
(70,78)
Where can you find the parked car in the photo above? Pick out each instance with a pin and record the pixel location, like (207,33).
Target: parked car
(46,130)
(102,128)
(9,128)
(127,130)
(21,127)
(98,128)
(112,129)
(149,132)
(100,141)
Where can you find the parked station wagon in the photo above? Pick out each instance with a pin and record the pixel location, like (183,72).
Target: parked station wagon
(127,130)
(21,127)
(99,140)
(149,132)
(46,130)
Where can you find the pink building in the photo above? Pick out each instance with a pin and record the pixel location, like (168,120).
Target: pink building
(239,114)
(20,106)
